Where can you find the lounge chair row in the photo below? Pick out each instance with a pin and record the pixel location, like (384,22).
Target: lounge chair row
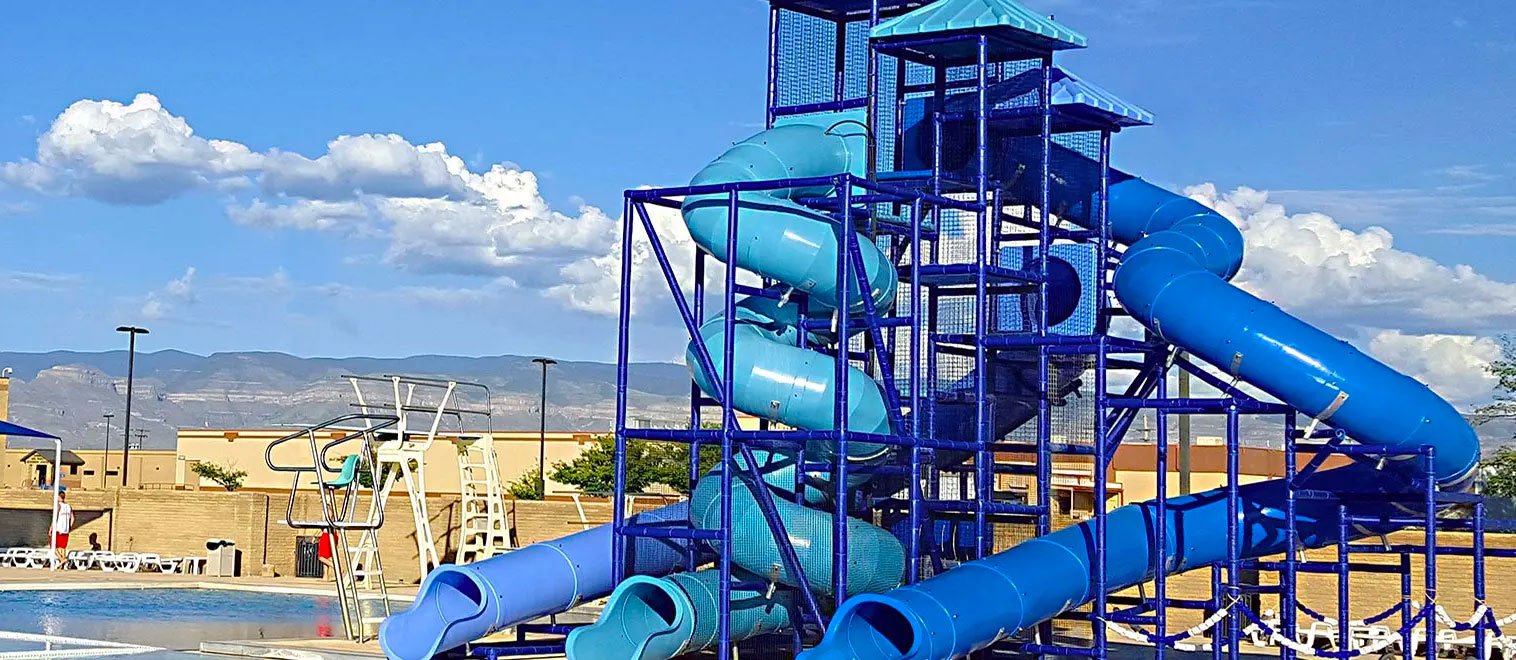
(1325,636)
(104,560)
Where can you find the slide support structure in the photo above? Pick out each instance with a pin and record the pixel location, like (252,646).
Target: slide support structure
(923,264)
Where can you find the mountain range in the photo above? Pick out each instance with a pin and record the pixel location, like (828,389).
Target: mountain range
(67,392)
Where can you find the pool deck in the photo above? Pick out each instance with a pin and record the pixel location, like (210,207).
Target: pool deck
(20,579)
(32,579)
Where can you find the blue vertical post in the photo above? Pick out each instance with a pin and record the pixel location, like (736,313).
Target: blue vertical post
(839,407)
(623,343)
(984,459)
(1216,604)
(692,547)
(1233,533)
(914,547)
(872,116)
(1044,402)
(939,106)
(839,60)
(1161,522)
(1342,578)
(1287,578)
(728,420)
(1102,428)
(1102,462)
(773,89)
(1480,626)
(1406,646)
(1429,492)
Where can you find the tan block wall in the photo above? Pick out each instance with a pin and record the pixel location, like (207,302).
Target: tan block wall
(1372,593)
(177,523)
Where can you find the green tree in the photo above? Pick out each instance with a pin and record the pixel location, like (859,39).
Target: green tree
(226,477)
(647,464)
(527,487)
(1500,474)
(1500,469)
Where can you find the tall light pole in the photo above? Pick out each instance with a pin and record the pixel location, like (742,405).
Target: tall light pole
(542,428)
(105,463)
(131,363)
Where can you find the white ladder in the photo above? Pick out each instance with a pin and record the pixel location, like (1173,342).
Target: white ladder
(484,529)
(420,404)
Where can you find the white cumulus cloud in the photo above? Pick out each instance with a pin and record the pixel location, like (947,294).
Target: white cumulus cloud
(174,295)
(1455,366)
(1347,280)
(436,214)
(132,153)
(1427,319)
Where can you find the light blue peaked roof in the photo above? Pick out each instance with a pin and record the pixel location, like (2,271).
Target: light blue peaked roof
(1074,99)
(1069,89)
(946,15)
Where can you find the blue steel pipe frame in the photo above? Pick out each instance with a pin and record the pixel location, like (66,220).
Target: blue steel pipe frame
(941,370)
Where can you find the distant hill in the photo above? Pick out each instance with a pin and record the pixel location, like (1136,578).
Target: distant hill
(66,392)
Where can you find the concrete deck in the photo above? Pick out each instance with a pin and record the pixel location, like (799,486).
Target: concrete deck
(33,579)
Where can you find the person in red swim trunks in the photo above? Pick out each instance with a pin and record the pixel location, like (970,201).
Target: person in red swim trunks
(63,522)
(324,554)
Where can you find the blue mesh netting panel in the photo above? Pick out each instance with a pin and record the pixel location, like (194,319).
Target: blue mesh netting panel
(885,111)
(806,50)
(1016,313)
(856,60)
(807,59)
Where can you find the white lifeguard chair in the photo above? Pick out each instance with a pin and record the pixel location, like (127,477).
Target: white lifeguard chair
(428,409)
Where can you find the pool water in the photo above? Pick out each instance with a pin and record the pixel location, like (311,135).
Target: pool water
(177,619)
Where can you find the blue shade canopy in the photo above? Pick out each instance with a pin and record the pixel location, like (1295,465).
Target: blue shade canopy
(1015,31)
(1075,100)
(7,428)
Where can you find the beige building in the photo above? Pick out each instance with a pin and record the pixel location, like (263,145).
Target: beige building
(516,454)
(95,469)
(1131,477)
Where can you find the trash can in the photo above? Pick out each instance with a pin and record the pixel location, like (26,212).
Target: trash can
(221,558)
(308,557)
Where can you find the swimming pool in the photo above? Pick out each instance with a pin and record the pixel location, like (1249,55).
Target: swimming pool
(176,619)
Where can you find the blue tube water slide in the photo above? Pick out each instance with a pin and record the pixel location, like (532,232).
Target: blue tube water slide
(1174,280)
(458,604)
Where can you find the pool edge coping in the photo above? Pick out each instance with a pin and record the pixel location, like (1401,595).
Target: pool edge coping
(141,585)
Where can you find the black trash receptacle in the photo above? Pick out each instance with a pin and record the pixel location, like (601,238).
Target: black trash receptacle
(307,557)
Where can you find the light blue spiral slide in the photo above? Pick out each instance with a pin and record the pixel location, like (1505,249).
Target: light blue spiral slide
(1173,279)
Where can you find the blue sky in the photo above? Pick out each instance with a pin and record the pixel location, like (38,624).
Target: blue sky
(1369,116)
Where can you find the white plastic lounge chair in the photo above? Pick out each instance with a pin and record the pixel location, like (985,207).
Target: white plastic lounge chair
(1319,635)
(127,562)
(148,562)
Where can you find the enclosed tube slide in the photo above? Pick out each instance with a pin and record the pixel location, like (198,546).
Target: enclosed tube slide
(457,604)
(774,378)
(1173,279)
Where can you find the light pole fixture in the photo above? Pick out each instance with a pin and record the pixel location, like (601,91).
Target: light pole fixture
(542,428)
(105,463)
(131,363)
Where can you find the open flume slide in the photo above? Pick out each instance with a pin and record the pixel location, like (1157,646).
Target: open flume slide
(1174,280)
